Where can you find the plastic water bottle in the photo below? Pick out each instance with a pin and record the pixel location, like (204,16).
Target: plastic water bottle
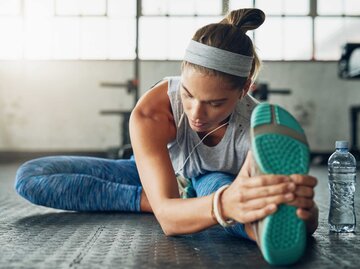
(342,177)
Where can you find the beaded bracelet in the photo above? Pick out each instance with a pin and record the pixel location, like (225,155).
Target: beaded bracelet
(216,209)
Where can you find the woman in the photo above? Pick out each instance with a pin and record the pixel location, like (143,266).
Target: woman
(191,139)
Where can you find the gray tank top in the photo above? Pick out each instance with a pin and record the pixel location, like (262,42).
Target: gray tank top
(227,156)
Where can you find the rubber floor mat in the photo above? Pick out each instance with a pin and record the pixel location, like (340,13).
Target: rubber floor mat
(38,237)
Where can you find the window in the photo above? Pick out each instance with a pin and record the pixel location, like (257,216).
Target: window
(183,7)
(167,26)
(105,29)
(338,7)
(293,30)
(166,38)
(336,25)
(284,38)
(286,34)
(10,7)
(11,38)
(81,7)
(67,29)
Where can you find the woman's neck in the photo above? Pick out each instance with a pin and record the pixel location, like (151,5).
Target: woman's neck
(214,138)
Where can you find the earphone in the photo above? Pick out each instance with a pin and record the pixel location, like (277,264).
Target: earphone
(181,119)
(192,150)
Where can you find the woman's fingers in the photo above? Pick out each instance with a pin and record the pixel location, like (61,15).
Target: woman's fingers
(303,214)
(263,202)
(304,191)
(267,191)
(304,180)
(257,197)
(263,180)
(267,180)
(258,214)
(260,208)
(301,202)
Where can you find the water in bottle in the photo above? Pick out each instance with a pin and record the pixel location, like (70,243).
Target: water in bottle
(342,177)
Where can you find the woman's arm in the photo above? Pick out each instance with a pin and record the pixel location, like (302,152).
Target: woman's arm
(151,129)
(247,199)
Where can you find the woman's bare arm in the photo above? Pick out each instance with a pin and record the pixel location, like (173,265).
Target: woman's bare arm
(152,128)
(247,199)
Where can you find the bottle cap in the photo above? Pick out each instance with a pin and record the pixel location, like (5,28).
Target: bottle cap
(342,145)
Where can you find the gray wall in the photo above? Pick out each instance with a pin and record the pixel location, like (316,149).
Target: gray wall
(54,105)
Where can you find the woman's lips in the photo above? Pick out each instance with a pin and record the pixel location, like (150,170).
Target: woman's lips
(198,124)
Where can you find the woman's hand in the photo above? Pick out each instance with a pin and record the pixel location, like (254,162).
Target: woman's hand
(252,198)
(304,200)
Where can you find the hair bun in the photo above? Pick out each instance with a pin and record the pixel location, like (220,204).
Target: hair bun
(245,19)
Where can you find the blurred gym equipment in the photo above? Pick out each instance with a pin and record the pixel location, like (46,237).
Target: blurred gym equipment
(349,68)
(124,150)
(261,91)
(349,64)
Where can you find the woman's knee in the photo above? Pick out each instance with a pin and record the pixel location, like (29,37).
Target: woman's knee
(208,183)
(25,176)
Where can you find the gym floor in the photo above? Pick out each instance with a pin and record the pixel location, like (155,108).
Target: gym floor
(38,237)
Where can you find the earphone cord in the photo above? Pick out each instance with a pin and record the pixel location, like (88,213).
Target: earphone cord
(187,158)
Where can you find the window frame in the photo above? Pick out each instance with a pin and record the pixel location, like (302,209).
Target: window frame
(313,14)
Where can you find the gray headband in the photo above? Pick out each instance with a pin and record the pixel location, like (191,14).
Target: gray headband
(218,59)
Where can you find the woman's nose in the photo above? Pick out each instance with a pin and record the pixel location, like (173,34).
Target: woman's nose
(198,111)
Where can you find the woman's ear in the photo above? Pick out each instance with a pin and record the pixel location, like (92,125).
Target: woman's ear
(246,88)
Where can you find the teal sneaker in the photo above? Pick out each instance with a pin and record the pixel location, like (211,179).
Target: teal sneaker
(279,146)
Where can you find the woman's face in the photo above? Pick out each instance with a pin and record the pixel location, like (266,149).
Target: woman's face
(207,100)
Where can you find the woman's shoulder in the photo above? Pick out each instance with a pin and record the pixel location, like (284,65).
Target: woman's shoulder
(169,84)
(154,108)
(245,107)
(155,100)
(173,83)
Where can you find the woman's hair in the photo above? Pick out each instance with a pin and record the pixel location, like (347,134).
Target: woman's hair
(230,34)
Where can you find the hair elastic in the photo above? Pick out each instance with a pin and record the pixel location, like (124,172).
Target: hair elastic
(218,59)
(216,208)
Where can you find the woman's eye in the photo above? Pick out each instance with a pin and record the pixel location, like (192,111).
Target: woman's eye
(187,95)
(216,104)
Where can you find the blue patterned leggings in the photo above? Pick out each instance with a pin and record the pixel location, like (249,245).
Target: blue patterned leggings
(96,184)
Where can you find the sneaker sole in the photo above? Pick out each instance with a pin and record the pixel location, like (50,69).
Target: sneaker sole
(279,146)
